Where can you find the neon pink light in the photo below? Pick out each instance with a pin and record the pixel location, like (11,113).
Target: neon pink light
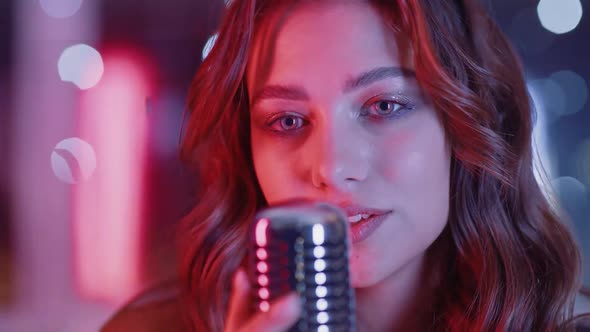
(108,208)
(261,227)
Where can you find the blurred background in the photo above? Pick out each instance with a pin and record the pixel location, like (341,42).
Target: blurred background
(92,94)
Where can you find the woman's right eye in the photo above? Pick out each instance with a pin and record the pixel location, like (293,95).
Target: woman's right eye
(287,123)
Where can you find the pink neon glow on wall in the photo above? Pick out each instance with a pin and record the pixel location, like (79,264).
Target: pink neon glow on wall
(108,207)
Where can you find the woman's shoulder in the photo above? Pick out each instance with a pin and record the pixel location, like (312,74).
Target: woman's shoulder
(154,310)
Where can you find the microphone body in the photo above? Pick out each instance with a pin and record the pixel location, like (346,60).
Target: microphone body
(303,247)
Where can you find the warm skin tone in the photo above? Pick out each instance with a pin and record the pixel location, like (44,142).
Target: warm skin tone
(375,141)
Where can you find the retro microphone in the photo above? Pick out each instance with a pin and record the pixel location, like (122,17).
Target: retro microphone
(303,247)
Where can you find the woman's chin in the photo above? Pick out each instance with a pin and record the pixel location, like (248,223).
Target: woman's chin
(361,277)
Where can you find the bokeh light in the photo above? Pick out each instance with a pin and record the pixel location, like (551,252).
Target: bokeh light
(544,164)
(574,88)
(559,16)
(548,97)
(573,197)
(582,162)
(73,160)
(81,65)
(209,45)
(570,189)
(60,8)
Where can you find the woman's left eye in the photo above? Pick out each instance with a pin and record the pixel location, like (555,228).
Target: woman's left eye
(385,108)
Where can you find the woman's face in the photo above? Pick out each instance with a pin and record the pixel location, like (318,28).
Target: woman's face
(337,115)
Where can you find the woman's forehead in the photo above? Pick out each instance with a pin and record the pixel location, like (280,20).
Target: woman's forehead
(339,38)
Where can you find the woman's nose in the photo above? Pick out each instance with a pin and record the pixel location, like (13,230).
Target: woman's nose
(339,160)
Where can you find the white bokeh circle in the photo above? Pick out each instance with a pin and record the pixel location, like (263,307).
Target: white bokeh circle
(575,90)
(72,150)
(559,16)
(82,65)
(60,8)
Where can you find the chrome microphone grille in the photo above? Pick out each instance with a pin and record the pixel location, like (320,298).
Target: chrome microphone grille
(303,247)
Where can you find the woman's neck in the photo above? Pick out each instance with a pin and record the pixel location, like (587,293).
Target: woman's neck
(396,304)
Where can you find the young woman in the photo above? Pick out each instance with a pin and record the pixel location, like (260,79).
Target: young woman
(412,109)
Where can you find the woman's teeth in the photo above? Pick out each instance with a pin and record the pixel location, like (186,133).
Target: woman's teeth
(358,217)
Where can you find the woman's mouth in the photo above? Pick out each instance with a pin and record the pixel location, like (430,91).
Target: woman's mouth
(359,217)
(365,227)
(364,221)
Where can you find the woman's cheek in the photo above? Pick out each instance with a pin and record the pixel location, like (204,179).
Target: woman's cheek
(392,153)
(275,170)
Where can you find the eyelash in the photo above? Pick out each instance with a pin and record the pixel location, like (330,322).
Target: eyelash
(404,107)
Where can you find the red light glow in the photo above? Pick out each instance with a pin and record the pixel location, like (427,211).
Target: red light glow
(107,209)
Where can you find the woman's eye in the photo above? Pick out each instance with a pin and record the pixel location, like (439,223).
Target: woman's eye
(287,123)
(386,107)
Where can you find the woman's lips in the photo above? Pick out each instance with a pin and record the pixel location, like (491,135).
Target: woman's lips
(362,220)
(353,210)
(364,228)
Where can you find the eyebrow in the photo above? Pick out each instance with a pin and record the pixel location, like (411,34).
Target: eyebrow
(374,75)
(296,92)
